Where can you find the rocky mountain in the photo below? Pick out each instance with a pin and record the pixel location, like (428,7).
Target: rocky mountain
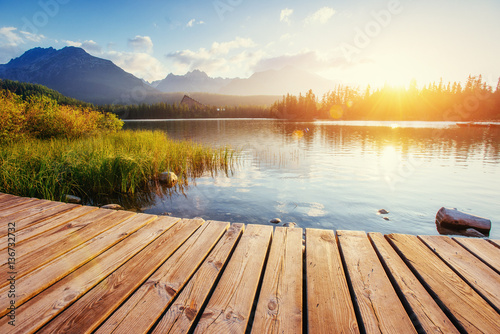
(75,73)
(279,82)
(195,81)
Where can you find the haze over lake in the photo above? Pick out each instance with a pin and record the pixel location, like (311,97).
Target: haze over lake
(337,175)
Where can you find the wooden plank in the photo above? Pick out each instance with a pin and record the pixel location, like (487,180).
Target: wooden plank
(9,207)
(379,306)
(469,309)
(147,304)
(481,277)
(45,306)
(25,206)
(181,315)
(42,227)
(483,249)
(429,315)
(279,309)
(228,309)
(43,277)
(43,249)
(22,221)
(60,233)
(329,302)
(87,313)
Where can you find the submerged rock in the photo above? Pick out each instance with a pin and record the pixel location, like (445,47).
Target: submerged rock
(169,178)
(291,224)
(382,212)
(452,221)
(275,221)
(72,199)
(112,207)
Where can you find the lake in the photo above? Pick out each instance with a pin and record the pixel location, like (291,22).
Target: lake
(337,175)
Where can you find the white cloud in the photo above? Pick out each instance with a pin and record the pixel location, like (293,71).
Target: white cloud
(192,22)
(222,59)
(285,15)
(141,44)
(142,65)
(307,60)
(89,45)
(12,42)
(10,36)
(322,16)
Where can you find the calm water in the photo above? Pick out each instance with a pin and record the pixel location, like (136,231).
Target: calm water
(338,175)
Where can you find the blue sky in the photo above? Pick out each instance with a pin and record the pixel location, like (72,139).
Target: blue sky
(356,42)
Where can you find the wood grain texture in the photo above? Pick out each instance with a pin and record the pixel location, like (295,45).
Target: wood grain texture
(483,249)
(41,278)
(36,229)
(469,309)
(147,304)
(378,304)
(86,314)
(43,249)
(46,305)
(279,309)
(228,309)
(481,277)
(180,316)
(23,221)
(16,204)
(428,313)
(329,302)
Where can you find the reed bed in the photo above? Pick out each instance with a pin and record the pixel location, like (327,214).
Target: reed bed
(122,162)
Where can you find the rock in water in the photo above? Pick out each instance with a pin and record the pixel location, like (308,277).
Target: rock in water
(290,224)
(72,199)
(382,212)
(275,221)
(169,178)
(454,220)
(112,207)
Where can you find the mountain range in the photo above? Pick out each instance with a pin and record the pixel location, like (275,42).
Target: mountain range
(75,73)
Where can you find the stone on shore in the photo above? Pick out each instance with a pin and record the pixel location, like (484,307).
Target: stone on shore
(112,207)
(451,220)
(169,178)
(72,199)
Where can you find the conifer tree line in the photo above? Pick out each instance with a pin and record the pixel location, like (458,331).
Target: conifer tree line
(434,102)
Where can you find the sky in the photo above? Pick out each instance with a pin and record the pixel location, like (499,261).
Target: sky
(355,42)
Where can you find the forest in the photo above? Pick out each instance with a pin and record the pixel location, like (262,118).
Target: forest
(434,102)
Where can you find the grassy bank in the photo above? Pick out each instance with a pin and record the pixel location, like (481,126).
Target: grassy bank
(121,162)
(49,150)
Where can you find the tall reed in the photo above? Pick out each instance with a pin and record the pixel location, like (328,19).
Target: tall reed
(121,162)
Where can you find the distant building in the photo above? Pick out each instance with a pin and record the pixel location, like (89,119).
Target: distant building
(186,100)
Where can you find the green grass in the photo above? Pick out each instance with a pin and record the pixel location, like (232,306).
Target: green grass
(124,162)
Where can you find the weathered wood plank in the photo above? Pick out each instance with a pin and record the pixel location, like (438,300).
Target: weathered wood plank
(23,222)
(481,277)
(147,304)
(181,315)
(42,227)
(43,249)
(86,314)
(428,313)
(9,207)
(329,302)
(469,309)
(41,278)
(483,249)
(228,309)
(46,305)
(29,204)
(379,306)
(279,309)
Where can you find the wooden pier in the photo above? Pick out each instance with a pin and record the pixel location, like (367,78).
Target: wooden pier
(76,269)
